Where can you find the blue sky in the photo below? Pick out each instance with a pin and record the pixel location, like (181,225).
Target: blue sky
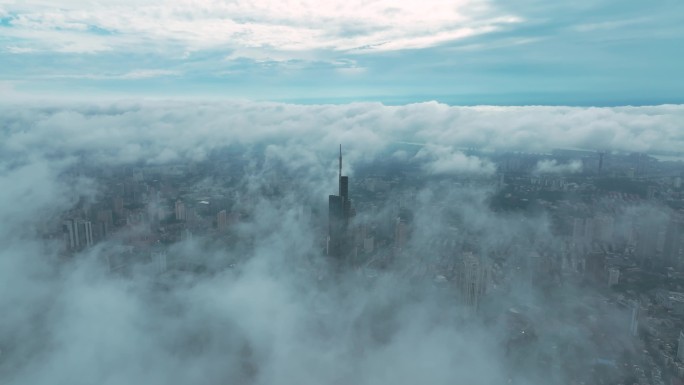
(601,52)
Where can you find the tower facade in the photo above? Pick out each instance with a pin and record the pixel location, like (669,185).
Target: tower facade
(340,212)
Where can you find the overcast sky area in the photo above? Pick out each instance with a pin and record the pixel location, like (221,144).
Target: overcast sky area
(466,52)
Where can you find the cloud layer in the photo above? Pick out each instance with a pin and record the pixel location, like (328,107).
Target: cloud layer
(269,310)
(165,131)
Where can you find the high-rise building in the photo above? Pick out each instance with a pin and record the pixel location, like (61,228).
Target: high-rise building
(634,318)
(400,233)
(589,232)
(103,224)
(180,211)
(78,233)
(402,228)
(160,260)
(118,205)
(340,212)
(222,220)
(71,234)
(673,241)
(190,214)
(613,276)
(578,236)
(680,346)
(474,279)
(85,233)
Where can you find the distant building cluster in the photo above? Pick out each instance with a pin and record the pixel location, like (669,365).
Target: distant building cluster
(635,258)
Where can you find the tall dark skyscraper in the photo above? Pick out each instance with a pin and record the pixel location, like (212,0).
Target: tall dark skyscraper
(339,215)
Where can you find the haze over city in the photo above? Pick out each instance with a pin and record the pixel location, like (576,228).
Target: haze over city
(434,192)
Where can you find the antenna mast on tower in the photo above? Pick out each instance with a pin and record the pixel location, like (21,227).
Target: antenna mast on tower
(339,174)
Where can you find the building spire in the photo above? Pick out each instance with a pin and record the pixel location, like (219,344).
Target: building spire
(339,175)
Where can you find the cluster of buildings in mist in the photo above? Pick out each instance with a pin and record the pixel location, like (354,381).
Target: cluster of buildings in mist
(633,258)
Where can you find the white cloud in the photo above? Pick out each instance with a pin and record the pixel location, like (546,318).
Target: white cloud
(19,50)
(443,160)
(10,92)
(266,26)
(551,166)
(130,130)
(62,41)
(153,73)
(130,75)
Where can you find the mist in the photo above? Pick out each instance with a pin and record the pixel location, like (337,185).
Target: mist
(261,302)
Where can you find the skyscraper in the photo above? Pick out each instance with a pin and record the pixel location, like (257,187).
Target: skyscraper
(71,232)
(613,276)
(634,318)
(79,234)
(680,346)
(85,233)
(222,220)
(339,216)
(401,229)
(180,211)
(673,241)
(473,280)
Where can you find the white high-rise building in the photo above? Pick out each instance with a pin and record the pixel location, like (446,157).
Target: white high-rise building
(71,231)
(85,233)
(79,233)
(613,276)
(474,279)
(634,319)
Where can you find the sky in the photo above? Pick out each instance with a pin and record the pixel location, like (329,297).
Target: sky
(459,52)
